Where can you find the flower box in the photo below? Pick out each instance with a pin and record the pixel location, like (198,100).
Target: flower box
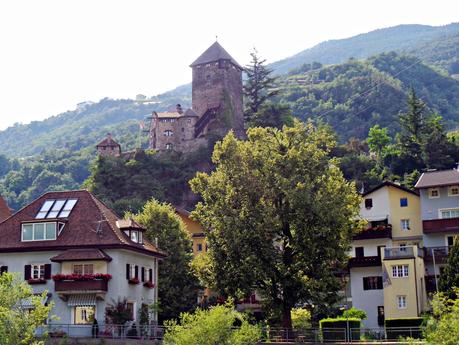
(149,285)
(33,281)
(82,277)
(134,281)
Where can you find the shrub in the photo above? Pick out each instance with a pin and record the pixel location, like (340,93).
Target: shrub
(301,318)
(355,313)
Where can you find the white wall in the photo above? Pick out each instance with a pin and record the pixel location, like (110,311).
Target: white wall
(381,205)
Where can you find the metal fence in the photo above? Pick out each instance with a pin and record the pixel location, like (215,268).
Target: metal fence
(269,335)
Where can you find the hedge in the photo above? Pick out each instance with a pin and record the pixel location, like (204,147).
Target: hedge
(335,329)
(403,327)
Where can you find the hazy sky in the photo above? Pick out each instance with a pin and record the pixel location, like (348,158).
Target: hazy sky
(55,54)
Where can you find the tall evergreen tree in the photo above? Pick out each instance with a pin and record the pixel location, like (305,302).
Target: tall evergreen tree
(259,86)
(449,280)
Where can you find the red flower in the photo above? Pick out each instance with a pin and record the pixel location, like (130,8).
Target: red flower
(82,277)
(36,281)
(134,281)
(149,285)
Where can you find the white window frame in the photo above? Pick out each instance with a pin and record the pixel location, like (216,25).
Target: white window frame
(131,271)
(450,188)
(40,269)
(33,232)
(84,268)
(404,222)
(168,133)
(440,210)
(74,310)
(400,271)
(401,305)
(429,193)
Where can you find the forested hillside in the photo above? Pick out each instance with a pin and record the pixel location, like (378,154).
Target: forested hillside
(354,96)
(401,38)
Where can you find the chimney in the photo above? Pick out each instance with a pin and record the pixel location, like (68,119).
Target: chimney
(179,109)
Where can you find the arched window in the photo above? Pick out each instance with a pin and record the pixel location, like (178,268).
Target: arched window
(168,133)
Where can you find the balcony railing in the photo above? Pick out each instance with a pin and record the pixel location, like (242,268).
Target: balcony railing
(440,253)
(80,285)
(440,225)
(365,261)
(374,232)
(398,253)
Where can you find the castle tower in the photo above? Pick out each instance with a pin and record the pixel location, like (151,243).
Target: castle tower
(109,147)
(217,84)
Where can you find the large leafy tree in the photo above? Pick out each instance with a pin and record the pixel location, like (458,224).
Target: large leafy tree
(177,286)
(258,87)
(18,325)
(278,215)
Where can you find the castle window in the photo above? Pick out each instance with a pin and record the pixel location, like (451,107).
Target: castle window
(189,120)
(183,129)
(168,133)
(168,146)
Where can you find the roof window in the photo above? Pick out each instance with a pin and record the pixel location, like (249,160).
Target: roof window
(60,208)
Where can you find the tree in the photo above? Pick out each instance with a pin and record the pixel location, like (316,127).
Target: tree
(117,312)
(378,140)
(18,325)
(259,86)
(301,318)
(278,216)
(272,115)
(177,286)
(202,266)
(443,326)
(449,279)
(212,326)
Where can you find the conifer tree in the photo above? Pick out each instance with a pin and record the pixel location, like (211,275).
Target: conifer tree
(259,86)
(449,280)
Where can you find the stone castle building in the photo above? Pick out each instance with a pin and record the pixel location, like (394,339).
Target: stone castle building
(216,108)
(216,105)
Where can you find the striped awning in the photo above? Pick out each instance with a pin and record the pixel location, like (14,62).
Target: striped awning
(82,300)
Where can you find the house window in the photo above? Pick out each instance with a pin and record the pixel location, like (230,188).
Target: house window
(130,307)
(199,247)
(372,283)
(168,146)
(135,236)
(381,315)
(403,202)
(452,213)
(401,302)
(453,191)
(168,133)
(451,240)
(359,252)
(400,271)
(37,271)
(3,269)
(38,232)
(83,269)
(84,315)
(405,224)
(368,203)
(433,193)
(188,120)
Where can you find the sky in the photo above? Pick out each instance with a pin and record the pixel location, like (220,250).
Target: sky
(57,53)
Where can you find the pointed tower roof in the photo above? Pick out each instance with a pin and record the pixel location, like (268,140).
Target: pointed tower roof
(214,53)
(109,141)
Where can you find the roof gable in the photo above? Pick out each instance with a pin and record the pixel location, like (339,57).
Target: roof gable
(214,53)
(91,224)
(389,184)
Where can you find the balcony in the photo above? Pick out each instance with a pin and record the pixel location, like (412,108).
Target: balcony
(79,286)
(431,284)
(440,225)
(364,261)
(381,231)
(441,254)
(402,253)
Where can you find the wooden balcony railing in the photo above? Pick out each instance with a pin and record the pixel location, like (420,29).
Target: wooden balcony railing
(81,285)
(364,261)
(440,225)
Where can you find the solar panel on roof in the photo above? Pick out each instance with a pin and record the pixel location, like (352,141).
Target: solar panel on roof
(56,208)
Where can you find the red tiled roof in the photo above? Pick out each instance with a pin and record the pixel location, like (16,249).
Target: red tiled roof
(108,141)
(438,178)
(5,211)
(81,254)
(91,224)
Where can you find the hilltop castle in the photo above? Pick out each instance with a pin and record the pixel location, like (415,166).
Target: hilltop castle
(216,107)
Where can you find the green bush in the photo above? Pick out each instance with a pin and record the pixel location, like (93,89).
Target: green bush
(336,329)
(404,327)
(354,313)
(301,318)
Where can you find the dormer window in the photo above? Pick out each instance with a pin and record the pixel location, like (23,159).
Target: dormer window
(38,232)
(135,235)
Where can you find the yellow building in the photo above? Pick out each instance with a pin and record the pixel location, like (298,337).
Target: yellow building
(196,231)
(386,268)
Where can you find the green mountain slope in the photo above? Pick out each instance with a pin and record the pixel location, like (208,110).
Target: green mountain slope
(401,38)
(356,95)
(87,125)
